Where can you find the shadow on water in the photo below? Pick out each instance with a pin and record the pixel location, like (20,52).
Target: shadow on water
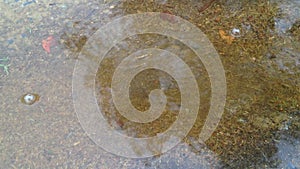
(259,48)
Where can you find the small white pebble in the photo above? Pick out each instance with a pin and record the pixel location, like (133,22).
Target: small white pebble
(29,98)
(235,32)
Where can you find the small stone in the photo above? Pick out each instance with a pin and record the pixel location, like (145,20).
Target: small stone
(30,98)
(235,32)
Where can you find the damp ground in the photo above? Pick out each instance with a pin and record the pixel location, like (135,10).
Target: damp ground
(258,43)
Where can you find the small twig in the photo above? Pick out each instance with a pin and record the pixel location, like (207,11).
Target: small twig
(205,6)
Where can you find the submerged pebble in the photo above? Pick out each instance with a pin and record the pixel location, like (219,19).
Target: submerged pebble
(235,32)
(30,98)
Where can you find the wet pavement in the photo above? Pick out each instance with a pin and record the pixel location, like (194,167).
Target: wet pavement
(258,44)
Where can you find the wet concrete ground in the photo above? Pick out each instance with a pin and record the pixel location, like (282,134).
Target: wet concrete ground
(260,125)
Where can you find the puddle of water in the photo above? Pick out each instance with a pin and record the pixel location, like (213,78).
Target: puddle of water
(262,71)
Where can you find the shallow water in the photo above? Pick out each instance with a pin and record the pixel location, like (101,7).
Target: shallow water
(259,127)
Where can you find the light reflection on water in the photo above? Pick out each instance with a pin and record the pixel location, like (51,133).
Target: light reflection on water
(288,152)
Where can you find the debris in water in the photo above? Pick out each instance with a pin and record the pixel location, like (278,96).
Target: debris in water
(47,43)
(229,39)
(207,5)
